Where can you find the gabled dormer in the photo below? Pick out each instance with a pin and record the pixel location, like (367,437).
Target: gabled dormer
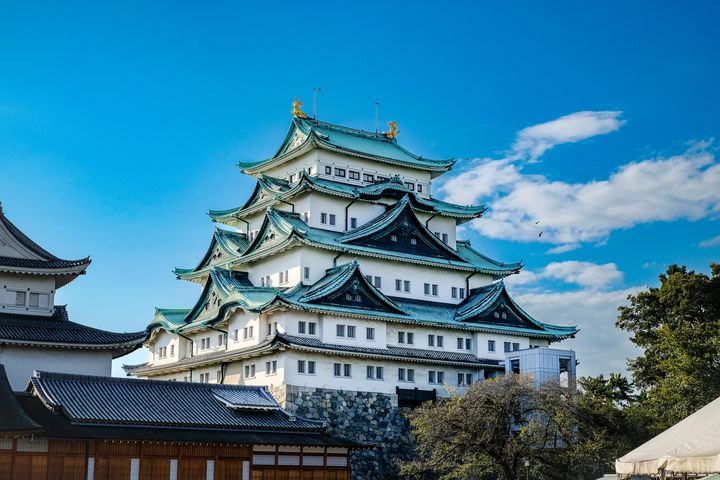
(345,286)
(399,230)
(492,305)
(225,247)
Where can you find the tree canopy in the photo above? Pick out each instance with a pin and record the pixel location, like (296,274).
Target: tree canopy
(677,325)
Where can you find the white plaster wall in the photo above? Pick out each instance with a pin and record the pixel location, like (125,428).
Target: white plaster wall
(10,283)
(289,260)
(329,331)
(240,320)
(298,164)
(324,377)
(167,340)
(20,361)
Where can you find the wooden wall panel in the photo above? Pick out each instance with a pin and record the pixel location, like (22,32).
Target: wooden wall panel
(228,469)
(190,468)
(112,468)
(66,467)
(30,467)
(154,468)
(5,463)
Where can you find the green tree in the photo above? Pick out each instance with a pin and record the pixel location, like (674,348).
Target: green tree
(677,325)
(499,424)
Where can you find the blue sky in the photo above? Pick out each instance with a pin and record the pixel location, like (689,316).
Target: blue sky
(120,123)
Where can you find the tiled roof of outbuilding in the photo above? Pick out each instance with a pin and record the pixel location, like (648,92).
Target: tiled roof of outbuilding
(58,330)
(126,401)
(12,416)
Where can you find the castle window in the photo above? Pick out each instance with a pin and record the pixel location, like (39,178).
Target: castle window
(311,328)
(250,371)
(380,179)
(354,175)
(507,347)
(306,217)
(454,292)
(301,366)
(468,344)
(431,289)
(410,185)
(491,345)
(306,273)
(436,377)
(332,219)
(172,350)
(464,379)
(410,338)
(516,347)
(496,314)
(401,337)
(368,178)
(406,286)
(419,188)
(431,340)
(328,170)
(271,367)
(301,326)
(406,374)
(445,238)
(378,282)
(311,367)
(353,222)
(398,284)
(235,335)
(393,238)
(374,373)
(504,316)
(347,370)
(439,341)
(341,370)
(221,340)
(20,298)
(351,331)
(340,330)
(323,218)
(413,241)
(370,333)
(339,172)
(462,293)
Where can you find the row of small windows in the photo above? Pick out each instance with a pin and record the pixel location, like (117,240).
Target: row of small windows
(247,333)
(162,351)
(31,299)
(507,346)
(366,177)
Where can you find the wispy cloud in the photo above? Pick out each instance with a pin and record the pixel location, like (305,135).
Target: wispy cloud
(534,141)
(589,275)
(710,242)
(527,207)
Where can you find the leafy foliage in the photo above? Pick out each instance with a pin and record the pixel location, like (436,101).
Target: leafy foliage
(498,424)
(678,327)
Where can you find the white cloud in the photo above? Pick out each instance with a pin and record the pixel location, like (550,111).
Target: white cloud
(684,186)
(710,242)
(592,276)
(566,247)
(533,141)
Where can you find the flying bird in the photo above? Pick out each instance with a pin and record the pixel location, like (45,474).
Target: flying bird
(540,234)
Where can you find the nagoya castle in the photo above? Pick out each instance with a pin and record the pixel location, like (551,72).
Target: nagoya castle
(340,283)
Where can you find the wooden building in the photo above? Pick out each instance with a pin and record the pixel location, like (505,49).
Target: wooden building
(85,427)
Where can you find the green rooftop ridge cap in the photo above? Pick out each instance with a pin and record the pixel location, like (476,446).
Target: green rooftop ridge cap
(320,134)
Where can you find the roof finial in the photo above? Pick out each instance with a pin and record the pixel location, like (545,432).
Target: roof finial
(297,109)
(316,90)
(394,132)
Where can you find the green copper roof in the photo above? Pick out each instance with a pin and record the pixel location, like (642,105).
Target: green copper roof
(284,229)
(345,291)
(225,247)
(269,191)
(306,133)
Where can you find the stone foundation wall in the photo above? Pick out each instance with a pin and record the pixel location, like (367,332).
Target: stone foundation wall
(363,416)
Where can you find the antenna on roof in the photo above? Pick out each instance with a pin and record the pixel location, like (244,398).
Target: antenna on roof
(316,90)
(377,109)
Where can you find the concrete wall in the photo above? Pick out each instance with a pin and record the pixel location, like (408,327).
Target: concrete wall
(20,361)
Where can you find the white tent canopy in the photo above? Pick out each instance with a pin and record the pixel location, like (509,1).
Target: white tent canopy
(690,446)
